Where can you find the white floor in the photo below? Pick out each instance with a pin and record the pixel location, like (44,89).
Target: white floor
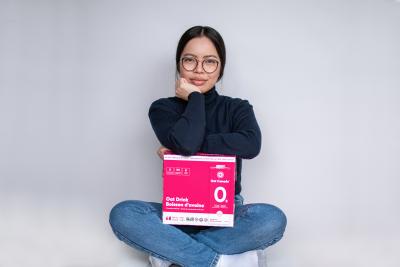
(33,234)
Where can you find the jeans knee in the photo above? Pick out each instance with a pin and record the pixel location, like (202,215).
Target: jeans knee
(274,218)
(126,211)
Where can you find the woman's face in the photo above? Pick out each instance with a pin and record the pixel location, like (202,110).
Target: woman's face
(200,49)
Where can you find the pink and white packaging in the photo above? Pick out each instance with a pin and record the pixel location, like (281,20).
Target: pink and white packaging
(199,190)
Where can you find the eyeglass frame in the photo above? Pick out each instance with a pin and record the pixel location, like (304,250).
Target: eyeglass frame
(197,63)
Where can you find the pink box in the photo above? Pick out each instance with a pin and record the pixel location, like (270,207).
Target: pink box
(199,190)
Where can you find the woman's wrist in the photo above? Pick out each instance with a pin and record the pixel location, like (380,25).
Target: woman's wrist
(193,93)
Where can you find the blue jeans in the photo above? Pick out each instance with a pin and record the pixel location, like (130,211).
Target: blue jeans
(139,224)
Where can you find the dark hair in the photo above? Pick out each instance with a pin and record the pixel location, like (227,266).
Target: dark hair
(210,33)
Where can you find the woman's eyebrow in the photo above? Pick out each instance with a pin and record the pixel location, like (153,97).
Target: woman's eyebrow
(188,54)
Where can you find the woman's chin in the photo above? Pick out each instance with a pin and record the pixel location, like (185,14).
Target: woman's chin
(204,90)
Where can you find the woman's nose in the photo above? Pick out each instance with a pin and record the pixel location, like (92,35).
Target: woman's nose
(199,67)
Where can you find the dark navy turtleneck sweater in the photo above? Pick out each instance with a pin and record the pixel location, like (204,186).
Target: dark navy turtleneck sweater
(207,123)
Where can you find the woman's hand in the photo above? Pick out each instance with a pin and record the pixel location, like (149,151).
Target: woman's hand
(161,151)
(183,89)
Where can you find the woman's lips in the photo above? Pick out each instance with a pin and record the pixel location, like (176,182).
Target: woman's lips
(198,82)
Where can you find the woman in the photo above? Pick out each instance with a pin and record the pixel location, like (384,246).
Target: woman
(198,119)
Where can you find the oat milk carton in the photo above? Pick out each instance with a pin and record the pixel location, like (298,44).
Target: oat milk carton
(199,190)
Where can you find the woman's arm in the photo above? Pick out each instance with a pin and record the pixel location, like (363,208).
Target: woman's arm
(181,133)
(245,139)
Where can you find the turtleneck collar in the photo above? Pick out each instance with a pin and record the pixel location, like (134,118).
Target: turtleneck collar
(210,96)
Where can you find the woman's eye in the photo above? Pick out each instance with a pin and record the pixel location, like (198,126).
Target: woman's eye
(188,60)
(211,61)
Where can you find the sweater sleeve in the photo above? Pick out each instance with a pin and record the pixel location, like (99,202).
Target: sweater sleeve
(243,141)
(182,133)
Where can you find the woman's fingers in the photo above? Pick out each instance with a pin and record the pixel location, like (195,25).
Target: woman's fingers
(161,151)
(184,88)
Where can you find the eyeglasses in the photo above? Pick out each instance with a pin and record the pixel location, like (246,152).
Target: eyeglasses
(209,65)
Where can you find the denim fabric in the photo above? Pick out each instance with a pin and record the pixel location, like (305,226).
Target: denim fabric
(139,224)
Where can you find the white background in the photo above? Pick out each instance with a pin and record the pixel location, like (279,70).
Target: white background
(76,82)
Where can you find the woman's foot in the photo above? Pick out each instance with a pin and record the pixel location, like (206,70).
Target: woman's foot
(246,259)
(156,262)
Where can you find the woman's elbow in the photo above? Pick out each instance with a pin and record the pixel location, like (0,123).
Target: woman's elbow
(254,146)
(184,148)
(254,150)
